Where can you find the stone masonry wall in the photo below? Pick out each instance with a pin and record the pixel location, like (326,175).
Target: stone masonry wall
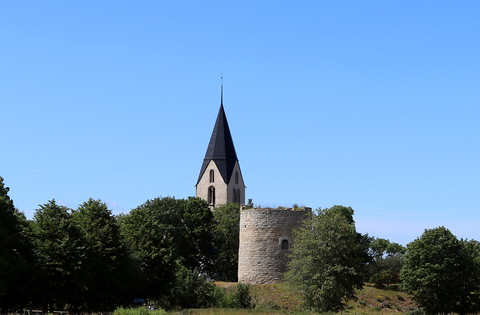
(262,232)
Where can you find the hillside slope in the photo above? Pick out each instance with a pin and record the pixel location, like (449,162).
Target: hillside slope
(370,300)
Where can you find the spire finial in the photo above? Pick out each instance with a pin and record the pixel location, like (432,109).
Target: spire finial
(221,94)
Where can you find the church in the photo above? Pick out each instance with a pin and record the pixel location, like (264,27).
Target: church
(220,180)
(265,236)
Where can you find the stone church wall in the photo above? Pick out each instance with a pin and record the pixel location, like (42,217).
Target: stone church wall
(263,233)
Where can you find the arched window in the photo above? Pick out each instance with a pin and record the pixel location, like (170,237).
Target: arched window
(236,177)
(285,245)
(235,198)
(212,176)
(236,195)
(211,195)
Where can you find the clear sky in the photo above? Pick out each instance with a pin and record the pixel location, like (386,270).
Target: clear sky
(368,104)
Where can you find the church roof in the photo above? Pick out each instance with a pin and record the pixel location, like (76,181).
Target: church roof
(221,148)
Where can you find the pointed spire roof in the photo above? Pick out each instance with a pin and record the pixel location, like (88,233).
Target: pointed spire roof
(221,148)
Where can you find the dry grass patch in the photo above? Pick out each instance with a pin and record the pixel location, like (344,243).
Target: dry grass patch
(371,300)
(281,299)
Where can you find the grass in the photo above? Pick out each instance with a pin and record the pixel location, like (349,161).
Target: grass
(213,311)
(138,311)
(371,300)
(281,299)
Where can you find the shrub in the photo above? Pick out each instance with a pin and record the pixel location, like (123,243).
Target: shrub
(242,296)
(192,290)
(238,299)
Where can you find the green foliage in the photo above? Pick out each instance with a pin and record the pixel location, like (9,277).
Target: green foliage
(60,253)
(387,262)
(443,273)
(240,298)
(383,278)
(249,204)
(226,232)
(107,266)
(328,260)
(138,311)
(164,234)
(192,290)
(16,253)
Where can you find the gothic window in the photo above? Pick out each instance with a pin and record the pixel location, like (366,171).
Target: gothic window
(285,245)
(211,195)
(212,176)
(235,195)
(236,177)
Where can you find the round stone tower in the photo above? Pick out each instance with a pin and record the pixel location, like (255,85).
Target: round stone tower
(265,242)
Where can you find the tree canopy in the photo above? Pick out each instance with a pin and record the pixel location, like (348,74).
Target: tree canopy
(328,260)
(107,265)
(387,262)
(443,272)
(164,234)
(61,253)
(226,231)
(16,252)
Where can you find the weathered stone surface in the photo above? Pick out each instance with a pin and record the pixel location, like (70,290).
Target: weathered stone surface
(262,231)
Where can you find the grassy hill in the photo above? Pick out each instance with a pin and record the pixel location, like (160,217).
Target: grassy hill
(280,299)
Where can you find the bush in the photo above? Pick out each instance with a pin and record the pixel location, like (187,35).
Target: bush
(383,279)
(238,299)
(242,296)
(192,290)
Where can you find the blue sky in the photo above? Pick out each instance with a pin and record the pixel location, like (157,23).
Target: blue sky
(368,104)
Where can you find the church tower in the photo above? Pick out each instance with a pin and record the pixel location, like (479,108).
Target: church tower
(220,180)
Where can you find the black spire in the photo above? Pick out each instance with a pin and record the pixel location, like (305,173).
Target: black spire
(221,148)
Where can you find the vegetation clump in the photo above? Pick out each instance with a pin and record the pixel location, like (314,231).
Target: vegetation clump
(167,250)
(328,260)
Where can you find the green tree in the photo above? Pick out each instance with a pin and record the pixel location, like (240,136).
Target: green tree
(442,272)
(387,262)
(60,253)
(194,234)
(328,260)
(226,232)
(192,290)
(164,234)
(16,254)
(107,266)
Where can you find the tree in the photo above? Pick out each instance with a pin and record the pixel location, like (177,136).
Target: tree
(164,234)
(192,290)
(442,272)
(226,232)
(328,260)
(16,253)
(107,265)
(387,262)
(60,255)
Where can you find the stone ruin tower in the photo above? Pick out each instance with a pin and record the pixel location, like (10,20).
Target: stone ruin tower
(265,242)
(220,180)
